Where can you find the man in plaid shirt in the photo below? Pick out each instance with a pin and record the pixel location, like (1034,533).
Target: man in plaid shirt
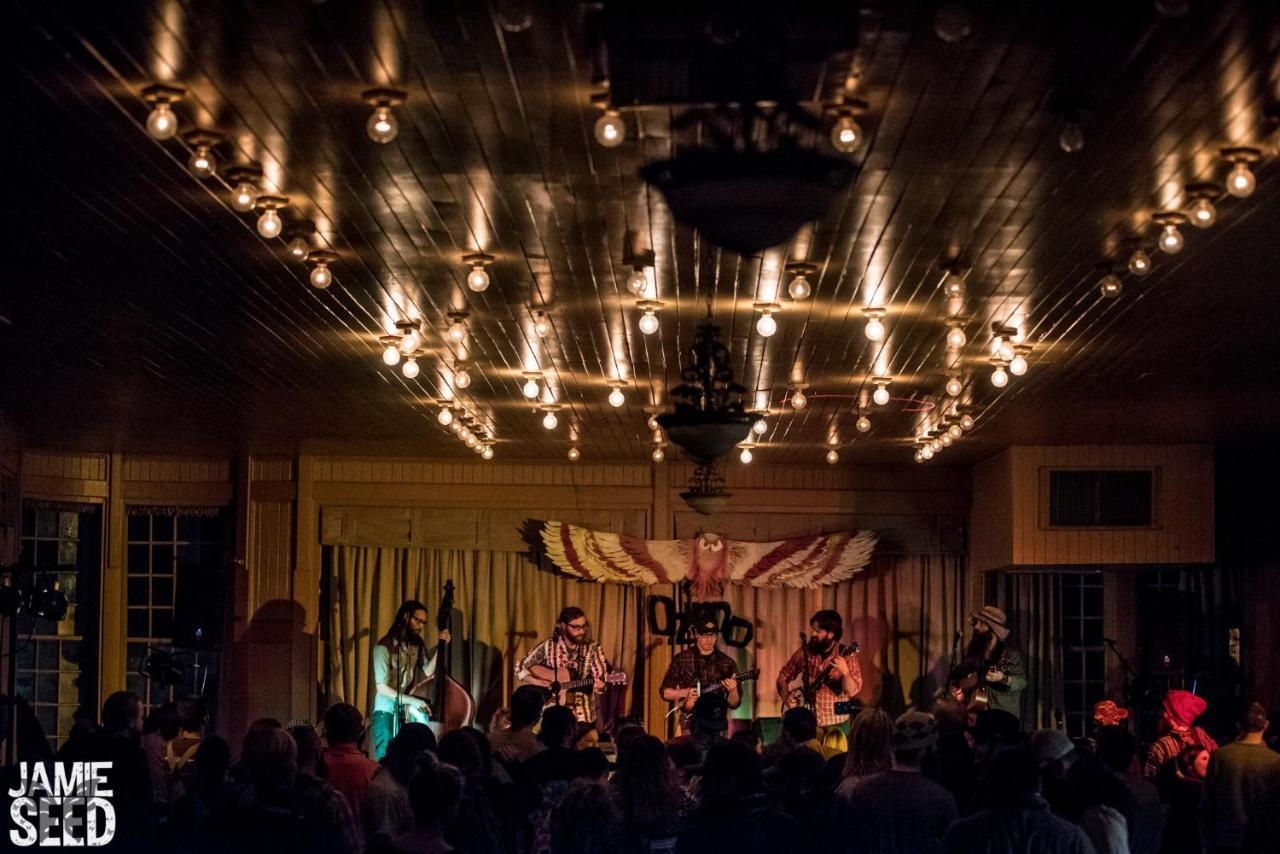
(829,676)
(569,648)
(700,667)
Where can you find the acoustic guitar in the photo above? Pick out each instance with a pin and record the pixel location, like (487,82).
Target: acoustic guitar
(798,698)
(542,676)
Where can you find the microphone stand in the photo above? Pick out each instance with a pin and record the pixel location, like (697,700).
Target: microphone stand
(555,667)
(1130,676)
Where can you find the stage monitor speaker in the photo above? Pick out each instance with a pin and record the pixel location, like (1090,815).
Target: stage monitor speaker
(198,606)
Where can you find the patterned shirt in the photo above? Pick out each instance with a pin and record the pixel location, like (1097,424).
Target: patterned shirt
(831,690)
(582,662)
(688,668)
(1168,747)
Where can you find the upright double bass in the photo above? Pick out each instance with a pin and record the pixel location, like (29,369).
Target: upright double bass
(452,705)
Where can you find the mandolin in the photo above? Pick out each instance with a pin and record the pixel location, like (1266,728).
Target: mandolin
(686,717)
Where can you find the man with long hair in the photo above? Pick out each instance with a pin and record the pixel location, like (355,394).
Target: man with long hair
(401,662)
(570,649)
(992,670)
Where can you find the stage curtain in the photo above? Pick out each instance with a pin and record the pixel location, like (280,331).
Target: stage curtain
(504,605)
(904,611)
(1030,601)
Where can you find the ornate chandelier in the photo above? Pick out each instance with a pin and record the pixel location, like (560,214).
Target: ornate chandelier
(709,417)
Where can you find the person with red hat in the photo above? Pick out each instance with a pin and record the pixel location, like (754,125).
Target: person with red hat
(1181,708)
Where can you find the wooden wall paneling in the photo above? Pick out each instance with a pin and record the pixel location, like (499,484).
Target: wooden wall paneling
(112,627)
(991,522)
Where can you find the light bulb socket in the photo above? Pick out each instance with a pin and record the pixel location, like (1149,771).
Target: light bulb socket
(271,203)
(407,326)
(384,96)
(649,305)
(1204,190)
(245,173)
(1169,218)
(639,260)
(874,312)
(801,268)
(477,259)
(457,316)
(847,106)
(322,258)
(163,93)
(1246,154)
(198,137)
(767,307)
(303,228)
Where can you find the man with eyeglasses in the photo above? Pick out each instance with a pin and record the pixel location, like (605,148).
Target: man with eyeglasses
(699,668)
(568,655)
(401,664)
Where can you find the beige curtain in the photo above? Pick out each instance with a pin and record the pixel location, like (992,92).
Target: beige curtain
(903,612)
(1030,600)
(503,606)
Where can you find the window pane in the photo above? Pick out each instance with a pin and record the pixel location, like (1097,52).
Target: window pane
(161,528)
(162,590)
(138,623)
(46,653)
(47,523)
(162,558)
(138,590)
(188,528)
(46,687)
(46,553)
(139,528)
(68,525)
(162,623)
(138,559)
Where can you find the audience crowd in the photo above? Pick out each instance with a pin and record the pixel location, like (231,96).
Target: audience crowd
(542,783)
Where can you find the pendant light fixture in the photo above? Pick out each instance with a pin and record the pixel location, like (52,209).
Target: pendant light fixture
(874,329)
(382,126)
(1170,240)
(800,288)
(846,134)
(616,397)
(798,398)
(202,162)
(390,350)
(881,395)
(321,275)
(269,223)
(530,388)
(162,123)
(1202,212)
(297,237)
(478,278)
(766,325)
(649,319)
(457,330)
(1241,182)
(244,181)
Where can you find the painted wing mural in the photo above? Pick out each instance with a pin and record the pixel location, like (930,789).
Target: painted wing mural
(707,561)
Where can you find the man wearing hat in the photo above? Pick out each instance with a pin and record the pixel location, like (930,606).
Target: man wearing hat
(992,669)
(701,667)
(900,809)
(1178,731)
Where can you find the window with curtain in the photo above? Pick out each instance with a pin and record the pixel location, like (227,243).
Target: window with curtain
(56,662)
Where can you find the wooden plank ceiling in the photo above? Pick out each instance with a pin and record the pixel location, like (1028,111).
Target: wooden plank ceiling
(142,308)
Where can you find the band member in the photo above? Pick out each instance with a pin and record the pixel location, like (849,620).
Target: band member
(568,649)
(401,663)
(991,671)
(828,672)
(700,667)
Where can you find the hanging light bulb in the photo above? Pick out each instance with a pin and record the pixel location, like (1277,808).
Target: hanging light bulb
(1241,182)
(918,457)
(745,455)
(487,453)
(658,455)
(574,455)
(1203,212)
(799,289)
(530,387)
(616,397)
(999,378)
(550,421)
(382,126)
(1110,286)
(1071,139)
(391,355)
(954,386)
(469,439)
(244,196)
(456,428)
(298,247)
(766,325)
(798,399)
(648,323)
(1005,349)
(446,416)
(953,286)
(926,453)
(846,134)
(269,223)
(863,424)
(410,368)
(760,427)
(955,335)
(410,341)
(162,123)
(966,422)
(1018,364)
(637,282)
(955,431)
(478,280)
(457,331)
(202,163)
(1170,238)
(541,325)
(321,274)
(833,457)
(874,329)
(936,445)
(461,377)
(1140,262)
(652,424)
(880,396)
(610,129)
